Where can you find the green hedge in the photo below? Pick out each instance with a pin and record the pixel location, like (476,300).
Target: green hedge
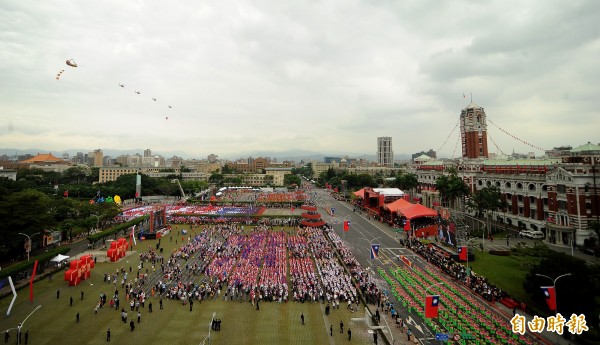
(115,229)
(26,265)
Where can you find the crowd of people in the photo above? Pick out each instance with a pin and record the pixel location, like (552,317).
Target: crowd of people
(437,257)
(368,288)
(337,284)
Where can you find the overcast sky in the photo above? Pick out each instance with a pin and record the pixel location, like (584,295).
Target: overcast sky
(325,76)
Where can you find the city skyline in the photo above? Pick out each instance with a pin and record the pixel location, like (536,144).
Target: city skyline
(229,78)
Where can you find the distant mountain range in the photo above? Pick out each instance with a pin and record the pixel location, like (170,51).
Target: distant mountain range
(291,155)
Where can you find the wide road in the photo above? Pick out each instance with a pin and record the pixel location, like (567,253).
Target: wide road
(362,234)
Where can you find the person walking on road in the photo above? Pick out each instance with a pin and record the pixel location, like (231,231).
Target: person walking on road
(108,334)
(302,318)
(349,334)
(341,327)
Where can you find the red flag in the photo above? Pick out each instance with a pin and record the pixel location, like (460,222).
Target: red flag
(550,294)
(407,225)
(346,225)
(66,193)
(462,253)
(431,306)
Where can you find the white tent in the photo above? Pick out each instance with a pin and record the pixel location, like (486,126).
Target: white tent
(59,258)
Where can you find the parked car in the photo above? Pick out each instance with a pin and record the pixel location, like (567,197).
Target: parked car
(537,234)
(525,233)
(592,251)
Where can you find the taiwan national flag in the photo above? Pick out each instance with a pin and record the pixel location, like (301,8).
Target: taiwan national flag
(462,253)
(346,225)
(375,251)
(550,296)
(407,225)
(66,193)
(431,306)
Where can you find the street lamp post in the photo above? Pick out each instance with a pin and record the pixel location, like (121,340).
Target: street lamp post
(97,220)
(20,326)
(468,271)
(555,295)
(28,246)
(554,286)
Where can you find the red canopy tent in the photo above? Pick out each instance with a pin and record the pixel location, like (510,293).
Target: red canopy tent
(397,205)
(417,210)
(360,193)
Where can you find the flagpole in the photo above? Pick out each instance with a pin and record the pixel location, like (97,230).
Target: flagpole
(554,287)
(555,295)
(469,272)
(430,286)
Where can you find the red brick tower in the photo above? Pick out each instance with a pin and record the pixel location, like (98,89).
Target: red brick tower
(473,131)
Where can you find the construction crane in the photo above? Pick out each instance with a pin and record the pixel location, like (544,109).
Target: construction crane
(180,188)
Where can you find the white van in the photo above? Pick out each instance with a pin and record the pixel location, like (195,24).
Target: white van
(536,234)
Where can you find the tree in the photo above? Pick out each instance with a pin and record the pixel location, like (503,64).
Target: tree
(228,170)
(595,225)
(28,212)
(406,181)
(451,187)
(216,178)
(290,179)
(75,175)
(94,175)
(194,186)
(486,199)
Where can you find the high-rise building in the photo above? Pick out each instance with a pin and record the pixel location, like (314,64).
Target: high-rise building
(147,153)
(96,158)
(385,153)
(473,132)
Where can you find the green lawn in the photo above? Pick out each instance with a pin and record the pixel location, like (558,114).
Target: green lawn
(54,322)
(506,272)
